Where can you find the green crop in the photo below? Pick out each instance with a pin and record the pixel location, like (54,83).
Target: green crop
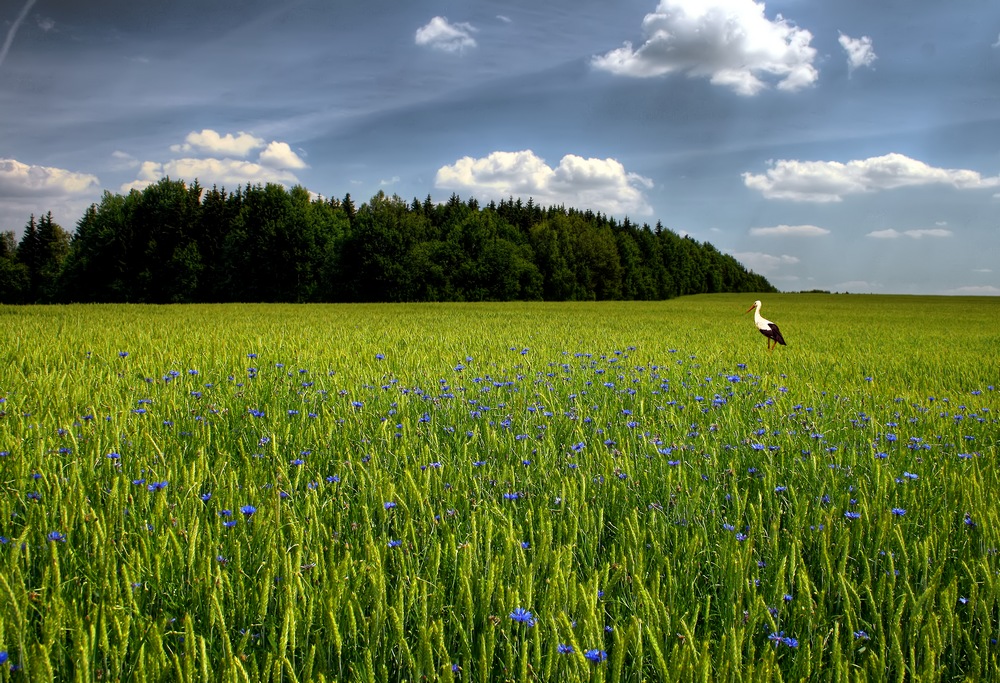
(490,492)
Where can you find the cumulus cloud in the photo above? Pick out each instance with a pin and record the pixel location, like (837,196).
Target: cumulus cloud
(226,172)
(731,42)
(789,231)
(211,142)
(27,189)
(280,155)
(830,181)
(764,264)
(18,179)
(859,51)
(598,184)
(891,234)
(441,34)
(275,162)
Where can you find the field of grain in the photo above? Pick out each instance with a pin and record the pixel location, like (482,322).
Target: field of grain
(489,492)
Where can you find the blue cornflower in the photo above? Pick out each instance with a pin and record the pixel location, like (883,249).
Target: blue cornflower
(395,544)
(114,456)
(861,635)
(522,616)
(852,515)
(564,649)
(157,486)
(4,657)
(389,505)
(379,356)
(525,545)
(205,497)
(229,524)
(899,512)
(511,496)
(56,537)
(248,510)
(596,655)
(297,462)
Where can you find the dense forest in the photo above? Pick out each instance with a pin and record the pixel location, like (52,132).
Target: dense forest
(175,242)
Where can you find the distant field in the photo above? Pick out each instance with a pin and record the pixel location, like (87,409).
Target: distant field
(487,492)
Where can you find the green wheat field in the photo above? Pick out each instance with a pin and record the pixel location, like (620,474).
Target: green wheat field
(501,492)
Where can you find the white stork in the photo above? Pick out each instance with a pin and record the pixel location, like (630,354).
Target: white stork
(767,328)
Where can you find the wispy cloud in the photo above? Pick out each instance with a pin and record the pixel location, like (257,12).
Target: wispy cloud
(443,35)
(763,263)
(599,184)
(891,234)
(831,181)
(12,31)
(790,231)
(731,42)
(859,51)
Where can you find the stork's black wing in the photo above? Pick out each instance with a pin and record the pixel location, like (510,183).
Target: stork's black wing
(775,334)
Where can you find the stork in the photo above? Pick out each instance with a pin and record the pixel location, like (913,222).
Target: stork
(767,328)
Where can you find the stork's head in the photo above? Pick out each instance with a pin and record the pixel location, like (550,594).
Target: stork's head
(756,304)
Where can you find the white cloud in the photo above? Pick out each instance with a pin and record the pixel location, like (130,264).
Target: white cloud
(211,142)
(505,19)
(975,290)
(830,181)
(997,44)
(280,155)
(27,189)
(857,286)
(789,231)
(859,51)
(441,34)
(225,172)
(892,234)
(46,23)
(391,181)
(764,264)
(982,270)
(23,180)
(274,164)
(729,41)
(598,184)
(889,234)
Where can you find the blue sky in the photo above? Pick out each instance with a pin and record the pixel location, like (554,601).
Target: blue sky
(850,146)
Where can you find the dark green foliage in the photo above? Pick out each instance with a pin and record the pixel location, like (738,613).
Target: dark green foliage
(175,243)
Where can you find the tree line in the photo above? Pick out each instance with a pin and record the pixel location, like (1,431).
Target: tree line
(174,242)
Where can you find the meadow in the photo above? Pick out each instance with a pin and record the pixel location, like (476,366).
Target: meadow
(493,492)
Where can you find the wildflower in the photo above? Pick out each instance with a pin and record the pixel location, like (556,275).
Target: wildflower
(205,497)
(389,505)
(781,639)
(861,635)
(229,524)
(157,486)
(564,649)
(596,655)
(113,456)
(899,512)
(511,496)
(852,515)
(522,616)
(248,510)
(525,545)
(297,462)
(395,544)
(56,537)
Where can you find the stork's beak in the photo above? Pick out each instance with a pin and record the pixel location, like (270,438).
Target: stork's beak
(749,309)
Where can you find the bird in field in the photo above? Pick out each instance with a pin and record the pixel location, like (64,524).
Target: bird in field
(767,328)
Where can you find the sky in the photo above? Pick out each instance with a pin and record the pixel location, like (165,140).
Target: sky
(850,146)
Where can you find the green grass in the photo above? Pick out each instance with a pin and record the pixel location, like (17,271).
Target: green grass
(644,478)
